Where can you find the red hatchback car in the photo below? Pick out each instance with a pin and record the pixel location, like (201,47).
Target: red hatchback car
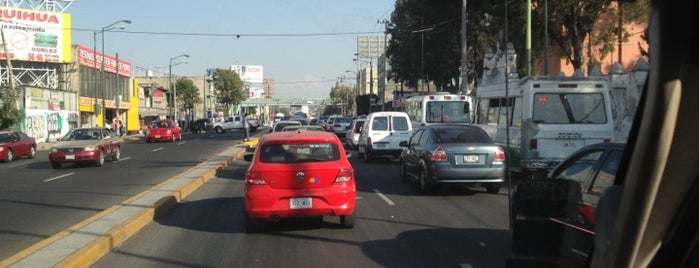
(163,130)
(14,144)
(299,174)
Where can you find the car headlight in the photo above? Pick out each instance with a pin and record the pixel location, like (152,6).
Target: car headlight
(91,148)
(2,149)
(54,150)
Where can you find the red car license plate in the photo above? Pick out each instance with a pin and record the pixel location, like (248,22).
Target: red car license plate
(301,202)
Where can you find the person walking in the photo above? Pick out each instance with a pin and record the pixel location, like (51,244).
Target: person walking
(246,127)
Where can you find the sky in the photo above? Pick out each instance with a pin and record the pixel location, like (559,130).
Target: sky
(304,45)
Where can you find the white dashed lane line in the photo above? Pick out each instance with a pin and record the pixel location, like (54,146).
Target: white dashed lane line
(58,177)
(158,149)
(384,197)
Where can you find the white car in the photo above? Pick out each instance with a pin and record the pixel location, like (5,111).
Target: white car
(352,135)
(230,123)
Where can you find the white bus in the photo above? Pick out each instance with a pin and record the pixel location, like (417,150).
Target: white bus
(437,108)
(548,118)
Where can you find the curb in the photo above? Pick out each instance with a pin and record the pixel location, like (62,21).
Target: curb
(86,242)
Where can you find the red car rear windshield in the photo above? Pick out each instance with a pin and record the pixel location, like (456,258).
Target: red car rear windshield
(299,152)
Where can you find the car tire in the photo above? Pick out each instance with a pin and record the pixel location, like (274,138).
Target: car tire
(404,178)
(9,156)
(219,129)
(100,159)
(493,188)
(423,184)
(347,221)
(117,155)
(56,165)
(32,152)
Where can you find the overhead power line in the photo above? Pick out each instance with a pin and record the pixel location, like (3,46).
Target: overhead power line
(240,34)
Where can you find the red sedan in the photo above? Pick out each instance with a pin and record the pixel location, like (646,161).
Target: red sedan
(163,130)
(14,144)
(299,174)
(86,145)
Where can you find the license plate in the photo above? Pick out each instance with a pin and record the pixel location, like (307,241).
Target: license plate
(471,158)
(301,202)
(70,157)
(380,145)
(157,136)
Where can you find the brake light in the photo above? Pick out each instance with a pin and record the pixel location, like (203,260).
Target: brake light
(355,131)
(500,155)
(368,142)
(344,175)
(439,154)
(254,177)
(533,144)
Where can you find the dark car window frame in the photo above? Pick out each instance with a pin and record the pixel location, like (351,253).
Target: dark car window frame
(415,138)
(586,181)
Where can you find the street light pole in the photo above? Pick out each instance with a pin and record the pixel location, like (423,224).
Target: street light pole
(116,25)
(174,86)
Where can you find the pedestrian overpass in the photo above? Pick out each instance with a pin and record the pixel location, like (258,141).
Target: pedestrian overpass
(286,102)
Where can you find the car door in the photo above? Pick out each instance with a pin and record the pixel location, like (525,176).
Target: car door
(411,158)
(400,130)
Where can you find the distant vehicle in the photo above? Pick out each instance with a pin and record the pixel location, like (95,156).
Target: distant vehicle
(438,109)
(381,134)
(201,125)
(231,123)
(550,118)
(163,130)
(340,125)
(299,174)
(278,126)
(570,193)
(452,155)
(253,123)
(353,132)
(15,144)
(302,128)
(86,145)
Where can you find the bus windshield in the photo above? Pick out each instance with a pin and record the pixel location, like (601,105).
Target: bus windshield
(447,112)
(569,108)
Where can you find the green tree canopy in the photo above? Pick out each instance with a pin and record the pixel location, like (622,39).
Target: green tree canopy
(10,116)
(187,94)
(229,88)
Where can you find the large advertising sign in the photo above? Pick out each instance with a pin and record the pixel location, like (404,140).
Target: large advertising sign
(34,35)
(86,57)
(249,73)
(370,47)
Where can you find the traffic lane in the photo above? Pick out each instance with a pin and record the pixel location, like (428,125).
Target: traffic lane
(48,201)
(392,230)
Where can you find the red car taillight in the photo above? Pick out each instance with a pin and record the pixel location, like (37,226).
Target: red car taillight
(439,154)
(345,175)
(254,177)
(500,155)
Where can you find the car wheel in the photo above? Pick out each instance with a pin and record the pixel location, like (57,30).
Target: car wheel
(56,165)
(117,155)
(425,186)
(404,178)
(9,156)
(100,159)
(493,188)
(179,138)
(253,225)
(219,129)
(32,152)
(347,221)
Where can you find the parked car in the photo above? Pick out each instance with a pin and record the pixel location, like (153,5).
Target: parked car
(15,144)
(298,174)
(230,123)
(353,132)
(201,125)
(302,128)
(382,133)
(86,145)
(564,201)
(452,155)
(163,130)
(278,126)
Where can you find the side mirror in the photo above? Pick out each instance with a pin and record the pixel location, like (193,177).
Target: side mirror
(248,157)
(403,144)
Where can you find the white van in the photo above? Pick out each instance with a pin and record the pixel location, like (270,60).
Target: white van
(381,134)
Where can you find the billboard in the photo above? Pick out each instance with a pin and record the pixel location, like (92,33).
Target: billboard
(86,57)
(249,73)
(34,35)
(370,47)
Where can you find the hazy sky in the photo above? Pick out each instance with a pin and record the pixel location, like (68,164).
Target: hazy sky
(304,45)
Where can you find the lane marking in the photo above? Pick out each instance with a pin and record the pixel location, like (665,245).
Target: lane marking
(182,142)
(384,197)
(58,177)
(23,163)
(158,149)
(124,159)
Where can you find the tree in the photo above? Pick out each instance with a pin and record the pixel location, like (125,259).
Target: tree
(187,94)
(10,115)
(342,96)
(229,88)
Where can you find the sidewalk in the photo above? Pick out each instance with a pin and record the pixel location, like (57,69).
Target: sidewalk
(84,243)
